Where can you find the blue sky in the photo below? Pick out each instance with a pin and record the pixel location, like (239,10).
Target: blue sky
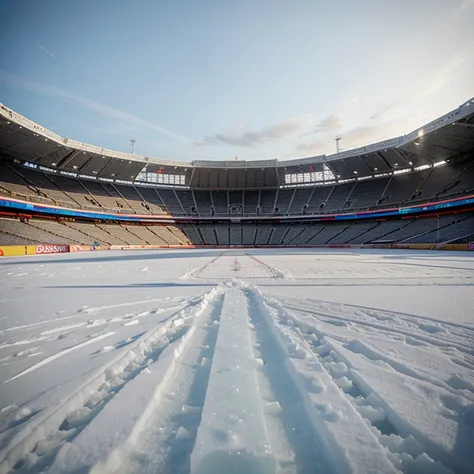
(215,79)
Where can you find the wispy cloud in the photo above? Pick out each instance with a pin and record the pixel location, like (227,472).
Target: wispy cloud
(465,6)
(430,86)
(331,124)
(328,125)
(313,148)
(49,53)
(365,134)
(250,138)
(20,82)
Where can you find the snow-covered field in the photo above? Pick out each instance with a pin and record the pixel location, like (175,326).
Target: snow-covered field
(237,361)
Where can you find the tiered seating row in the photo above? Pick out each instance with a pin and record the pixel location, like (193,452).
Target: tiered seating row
(435,183)
(41,231)
(445,228)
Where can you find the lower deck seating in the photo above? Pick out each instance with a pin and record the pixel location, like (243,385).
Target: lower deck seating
(46,231)
(432,229)
(33,234)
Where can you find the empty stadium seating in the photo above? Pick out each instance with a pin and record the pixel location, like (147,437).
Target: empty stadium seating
(433,229)
(47,231)
(414,230)
(400,189)
(411,188)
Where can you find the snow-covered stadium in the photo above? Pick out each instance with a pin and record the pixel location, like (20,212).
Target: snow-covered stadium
(300,316)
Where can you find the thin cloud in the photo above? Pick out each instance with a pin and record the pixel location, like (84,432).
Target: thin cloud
(328,125)
(252,138)
(465,6)
(49,53)
(314,148)
(102,109)
(331,123)
(366,134)
(430,86)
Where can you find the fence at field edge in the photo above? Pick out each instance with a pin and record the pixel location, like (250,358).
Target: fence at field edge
(48,249)
(44,249)
(341,246)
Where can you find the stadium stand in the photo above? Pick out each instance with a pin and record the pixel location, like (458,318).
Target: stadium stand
(434,228)
(438,183)
(152,201)
(260,203)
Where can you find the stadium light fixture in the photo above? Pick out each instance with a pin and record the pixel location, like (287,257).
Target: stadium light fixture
(410,163)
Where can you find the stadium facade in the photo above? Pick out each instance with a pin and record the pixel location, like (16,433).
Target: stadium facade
(414,189)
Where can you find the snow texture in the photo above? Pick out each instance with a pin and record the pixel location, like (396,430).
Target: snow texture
(253,361)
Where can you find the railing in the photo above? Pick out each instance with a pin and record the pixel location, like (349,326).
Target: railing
(27,123)
(462,111)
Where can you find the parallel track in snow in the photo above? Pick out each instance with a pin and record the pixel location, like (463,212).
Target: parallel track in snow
(236,379)
(179,427)
(405,449)
(263,407)
(295,441)
(166,442)
(439,335)
(34,447)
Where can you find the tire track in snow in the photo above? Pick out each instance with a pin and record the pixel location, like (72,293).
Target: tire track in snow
(443,337)
(407,453)
(167,440)
(391,315)
(345,439)
(85,311)
(294,440)
(36,444)
(59,354)
(233,433)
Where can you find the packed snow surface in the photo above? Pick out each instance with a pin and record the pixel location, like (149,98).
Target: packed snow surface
(237,361)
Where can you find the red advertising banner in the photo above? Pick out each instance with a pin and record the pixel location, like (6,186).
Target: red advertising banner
(42,249)
(470,246)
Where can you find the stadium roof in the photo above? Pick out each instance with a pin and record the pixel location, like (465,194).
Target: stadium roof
(447,137)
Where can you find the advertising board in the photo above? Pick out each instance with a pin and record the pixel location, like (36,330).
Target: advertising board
(43,249)
(15,250)
(79,248)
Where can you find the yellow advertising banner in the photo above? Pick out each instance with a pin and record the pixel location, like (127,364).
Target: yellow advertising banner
(14,250)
